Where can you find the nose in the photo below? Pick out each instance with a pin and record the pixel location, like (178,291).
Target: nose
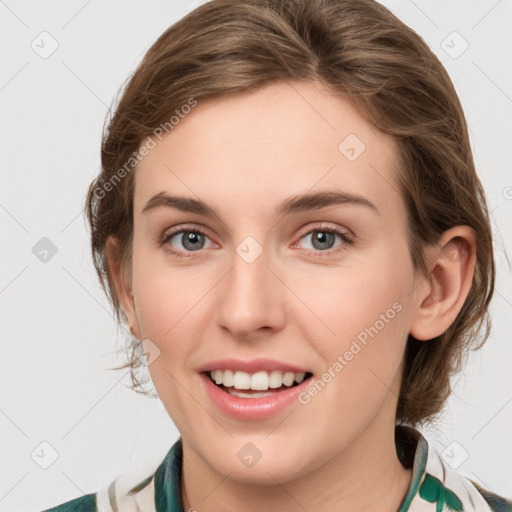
(251,298)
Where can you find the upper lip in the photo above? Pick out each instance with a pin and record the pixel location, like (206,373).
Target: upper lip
(252,366)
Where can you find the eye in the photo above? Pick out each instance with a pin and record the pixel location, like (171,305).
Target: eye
(322,239)
(180,241)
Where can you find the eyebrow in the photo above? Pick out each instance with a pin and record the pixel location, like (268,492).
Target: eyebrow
(298,203)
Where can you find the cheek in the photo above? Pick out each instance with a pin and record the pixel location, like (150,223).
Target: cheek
(365,314)
(342,303)
(168,307)
(164,291)
(167,302)
(369,316)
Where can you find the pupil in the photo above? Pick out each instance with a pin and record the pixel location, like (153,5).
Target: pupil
(321,237)
(192,238)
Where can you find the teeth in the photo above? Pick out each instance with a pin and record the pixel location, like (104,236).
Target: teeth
(228,378)
(241,380)
(259,381)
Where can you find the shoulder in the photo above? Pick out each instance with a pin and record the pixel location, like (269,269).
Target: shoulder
(457,490)
(139,490)
(496,503)
(436,483)
(86,503)
(459,493)
(129,491)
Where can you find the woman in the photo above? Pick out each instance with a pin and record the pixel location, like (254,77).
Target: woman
(317,157)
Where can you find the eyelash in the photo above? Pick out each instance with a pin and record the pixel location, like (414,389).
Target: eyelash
(346,238)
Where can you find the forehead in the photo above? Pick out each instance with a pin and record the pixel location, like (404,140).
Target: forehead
(254,149)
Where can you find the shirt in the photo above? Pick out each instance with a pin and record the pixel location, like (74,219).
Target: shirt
(434,487)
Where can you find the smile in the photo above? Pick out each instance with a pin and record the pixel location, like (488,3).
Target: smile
(256,396)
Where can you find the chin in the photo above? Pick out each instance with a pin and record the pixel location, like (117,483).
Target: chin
(258,462)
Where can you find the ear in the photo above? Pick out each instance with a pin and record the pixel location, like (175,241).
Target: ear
(442,293)
(122,282)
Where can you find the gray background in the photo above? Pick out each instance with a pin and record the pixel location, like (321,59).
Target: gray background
(58,333)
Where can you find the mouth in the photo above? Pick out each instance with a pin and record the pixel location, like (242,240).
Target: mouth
(256,385)
(254,390)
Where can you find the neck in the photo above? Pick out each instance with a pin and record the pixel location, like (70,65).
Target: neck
(366,476)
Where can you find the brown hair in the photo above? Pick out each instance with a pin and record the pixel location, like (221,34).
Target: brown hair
(358,49)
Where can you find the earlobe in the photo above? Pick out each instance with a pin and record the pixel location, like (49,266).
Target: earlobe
(445,289)
(122,285)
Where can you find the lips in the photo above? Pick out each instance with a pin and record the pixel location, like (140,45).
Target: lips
(250,408)
(252,366)
(252,404)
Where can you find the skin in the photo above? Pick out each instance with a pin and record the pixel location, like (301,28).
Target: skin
(243,154)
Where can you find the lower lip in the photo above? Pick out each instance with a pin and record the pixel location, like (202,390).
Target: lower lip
(252,408)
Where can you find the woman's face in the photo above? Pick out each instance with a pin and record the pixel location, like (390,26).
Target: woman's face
(266,280)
